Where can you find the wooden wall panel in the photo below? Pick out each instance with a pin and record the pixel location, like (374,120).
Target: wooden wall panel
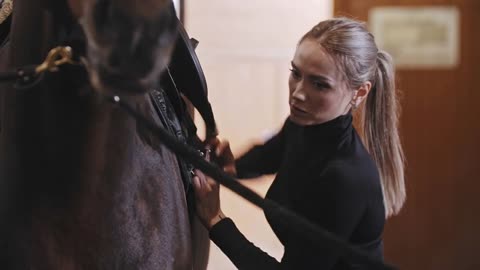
(439,228)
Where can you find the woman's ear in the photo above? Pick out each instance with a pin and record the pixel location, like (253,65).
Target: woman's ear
(361,93)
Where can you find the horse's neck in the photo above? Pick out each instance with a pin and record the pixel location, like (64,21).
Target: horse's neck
(85,170)
(125,181)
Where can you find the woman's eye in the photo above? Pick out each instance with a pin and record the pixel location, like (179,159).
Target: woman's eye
(320,85)
(295,73)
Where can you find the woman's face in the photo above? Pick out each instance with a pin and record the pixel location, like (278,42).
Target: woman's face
(317,91)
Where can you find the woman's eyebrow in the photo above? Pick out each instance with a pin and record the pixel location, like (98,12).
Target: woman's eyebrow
(315,76)
(320,78)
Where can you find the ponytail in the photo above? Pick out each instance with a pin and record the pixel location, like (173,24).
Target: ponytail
(380,127)
(358,58)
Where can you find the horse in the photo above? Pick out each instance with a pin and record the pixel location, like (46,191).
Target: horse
(82,184)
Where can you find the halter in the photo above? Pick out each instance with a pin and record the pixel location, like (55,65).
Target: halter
(57,57)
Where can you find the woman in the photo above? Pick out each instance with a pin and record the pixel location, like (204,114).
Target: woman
(324,171)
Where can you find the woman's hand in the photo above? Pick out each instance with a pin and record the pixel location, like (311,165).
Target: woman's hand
(207,194)
(207,190)
(223,155)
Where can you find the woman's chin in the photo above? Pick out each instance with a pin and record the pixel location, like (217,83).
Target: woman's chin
(303,121)
(298,120)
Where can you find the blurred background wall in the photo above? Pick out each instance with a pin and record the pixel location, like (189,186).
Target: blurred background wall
(245,49)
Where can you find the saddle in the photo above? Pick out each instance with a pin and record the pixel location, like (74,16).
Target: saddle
(184,78)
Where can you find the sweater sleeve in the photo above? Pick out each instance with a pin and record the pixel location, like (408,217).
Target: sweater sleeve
(243,253)
(262,159)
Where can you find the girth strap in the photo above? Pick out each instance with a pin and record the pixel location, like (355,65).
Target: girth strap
(174,125)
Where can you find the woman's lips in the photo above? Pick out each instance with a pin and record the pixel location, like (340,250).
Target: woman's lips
(296,110)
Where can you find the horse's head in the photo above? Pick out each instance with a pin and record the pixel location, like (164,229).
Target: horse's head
(129,41)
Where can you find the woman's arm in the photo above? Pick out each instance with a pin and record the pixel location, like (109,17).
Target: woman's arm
(243,253)
(223,231)
(262,159)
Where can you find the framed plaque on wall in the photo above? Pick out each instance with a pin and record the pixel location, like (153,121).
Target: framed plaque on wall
(418,37)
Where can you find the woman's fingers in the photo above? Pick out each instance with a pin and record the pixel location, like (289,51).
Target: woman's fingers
(212,183)
(203,184)
(197,185)
(207,197)
(222,148)
(212,143)
(224,157)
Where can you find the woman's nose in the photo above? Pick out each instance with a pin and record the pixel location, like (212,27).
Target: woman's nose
(299,93)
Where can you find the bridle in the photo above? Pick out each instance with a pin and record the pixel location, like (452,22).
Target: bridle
(27,77)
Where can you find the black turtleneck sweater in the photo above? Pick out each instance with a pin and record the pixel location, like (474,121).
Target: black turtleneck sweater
(325,174)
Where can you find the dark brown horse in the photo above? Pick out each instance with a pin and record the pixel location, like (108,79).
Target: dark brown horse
(82,184)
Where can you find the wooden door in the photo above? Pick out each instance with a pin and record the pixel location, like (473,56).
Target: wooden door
(439,228)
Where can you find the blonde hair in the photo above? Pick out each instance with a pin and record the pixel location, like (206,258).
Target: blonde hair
(358,58)
(6,10)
